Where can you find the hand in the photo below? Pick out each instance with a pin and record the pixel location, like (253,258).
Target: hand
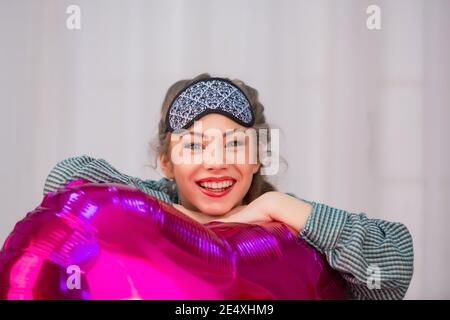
(273,206)
(270,206)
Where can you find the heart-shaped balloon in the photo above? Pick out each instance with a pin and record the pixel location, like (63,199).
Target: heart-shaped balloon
(112,241)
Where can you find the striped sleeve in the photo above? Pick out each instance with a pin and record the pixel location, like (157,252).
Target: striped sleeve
(374,256)
(99,171)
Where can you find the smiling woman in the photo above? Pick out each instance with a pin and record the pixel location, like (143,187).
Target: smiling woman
(374,256)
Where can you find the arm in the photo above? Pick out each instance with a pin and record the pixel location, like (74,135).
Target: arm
(100,171)
(374,256)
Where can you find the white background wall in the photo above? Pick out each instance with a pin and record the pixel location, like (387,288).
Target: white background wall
(364,113)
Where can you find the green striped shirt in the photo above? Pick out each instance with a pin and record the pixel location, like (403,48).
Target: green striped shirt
(375,257)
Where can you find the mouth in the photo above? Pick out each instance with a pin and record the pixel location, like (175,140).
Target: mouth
(216,187)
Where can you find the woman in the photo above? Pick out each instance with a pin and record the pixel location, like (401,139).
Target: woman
(375,257)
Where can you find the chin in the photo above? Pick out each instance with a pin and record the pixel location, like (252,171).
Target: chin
(215,210)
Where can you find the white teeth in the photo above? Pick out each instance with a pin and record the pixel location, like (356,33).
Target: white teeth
(216,185)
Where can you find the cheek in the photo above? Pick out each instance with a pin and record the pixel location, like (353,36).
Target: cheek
(246,172)
(184,176)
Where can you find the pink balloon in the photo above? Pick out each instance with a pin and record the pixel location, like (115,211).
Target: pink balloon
(112,241)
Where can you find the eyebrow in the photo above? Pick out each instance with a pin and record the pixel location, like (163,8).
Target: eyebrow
(201,135)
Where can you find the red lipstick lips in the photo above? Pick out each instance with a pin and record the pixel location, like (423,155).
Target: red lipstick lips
(216,179)
(209,186)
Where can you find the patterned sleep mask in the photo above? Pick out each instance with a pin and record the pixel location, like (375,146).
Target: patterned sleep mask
(211,95)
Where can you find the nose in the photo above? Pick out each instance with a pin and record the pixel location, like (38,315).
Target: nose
(214,158)
(215,166)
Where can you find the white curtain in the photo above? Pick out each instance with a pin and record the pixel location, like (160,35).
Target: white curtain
(363,113)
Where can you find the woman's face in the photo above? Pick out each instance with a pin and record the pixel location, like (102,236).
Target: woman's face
(213,163)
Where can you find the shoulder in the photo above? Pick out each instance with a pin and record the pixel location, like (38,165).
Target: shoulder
(73,162)
(64,170)
(164,186)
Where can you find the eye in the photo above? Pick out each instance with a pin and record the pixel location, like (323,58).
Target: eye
(234,143)
(193,146)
